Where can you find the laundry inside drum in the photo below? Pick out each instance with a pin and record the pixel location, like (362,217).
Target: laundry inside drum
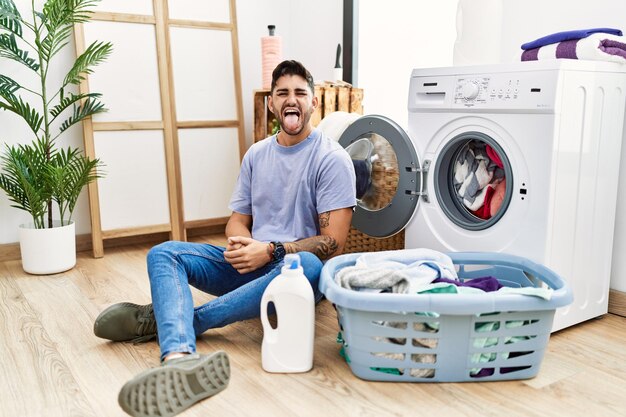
(479,180)
(377,174)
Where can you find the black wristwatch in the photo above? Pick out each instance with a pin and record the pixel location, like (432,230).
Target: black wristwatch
(279,251)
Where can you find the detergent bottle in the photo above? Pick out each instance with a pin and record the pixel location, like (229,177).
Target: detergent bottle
(288,347)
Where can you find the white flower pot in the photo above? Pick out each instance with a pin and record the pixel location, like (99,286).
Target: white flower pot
(47,251)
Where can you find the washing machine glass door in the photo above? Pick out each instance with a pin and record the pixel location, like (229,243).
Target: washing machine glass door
(473,180)
(388,175)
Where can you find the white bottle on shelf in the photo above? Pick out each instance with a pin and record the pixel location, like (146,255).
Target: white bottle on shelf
(288,348)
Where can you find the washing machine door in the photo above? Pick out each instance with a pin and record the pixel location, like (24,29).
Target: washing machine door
(389,178)
(472,179)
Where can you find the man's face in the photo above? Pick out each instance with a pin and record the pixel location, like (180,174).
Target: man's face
(292,103)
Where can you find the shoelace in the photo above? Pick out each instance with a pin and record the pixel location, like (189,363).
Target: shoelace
(147,328)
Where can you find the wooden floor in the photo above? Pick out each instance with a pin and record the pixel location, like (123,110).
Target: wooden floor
(52,365)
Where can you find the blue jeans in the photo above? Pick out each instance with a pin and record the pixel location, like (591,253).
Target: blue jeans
(174,266)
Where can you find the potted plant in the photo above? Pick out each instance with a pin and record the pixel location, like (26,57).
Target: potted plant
(40,177)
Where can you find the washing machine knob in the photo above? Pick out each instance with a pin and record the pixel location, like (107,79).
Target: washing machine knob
(470,90)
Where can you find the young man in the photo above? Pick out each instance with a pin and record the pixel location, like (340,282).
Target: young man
(294,194)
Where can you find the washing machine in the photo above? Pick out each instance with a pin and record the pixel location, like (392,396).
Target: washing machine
(519,158)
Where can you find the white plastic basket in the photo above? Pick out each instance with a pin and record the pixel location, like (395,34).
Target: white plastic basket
(448,337)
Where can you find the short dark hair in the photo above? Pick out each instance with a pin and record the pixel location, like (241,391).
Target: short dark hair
(291,67)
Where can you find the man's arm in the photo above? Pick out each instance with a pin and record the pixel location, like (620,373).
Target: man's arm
(247,254)
(334,228)
(239,225)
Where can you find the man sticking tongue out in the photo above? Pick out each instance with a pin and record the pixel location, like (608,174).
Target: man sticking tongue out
(293,96)
(291,121)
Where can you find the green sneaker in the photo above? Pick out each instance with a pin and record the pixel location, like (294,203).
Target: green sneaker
(126,321)
(175,386)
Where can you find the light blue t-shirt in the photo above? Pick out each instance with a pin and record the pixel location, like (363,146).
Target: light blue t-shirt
(285,188)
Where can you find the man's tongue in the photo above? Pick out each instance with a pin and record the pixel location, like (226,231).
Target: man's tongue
(291,121)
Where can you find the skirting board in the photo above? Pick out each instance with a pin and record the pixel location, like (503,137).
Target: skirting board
(11,251)
(617,302)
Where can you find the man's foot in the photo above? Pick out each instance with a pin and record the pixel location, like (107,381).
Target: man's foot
(126,321)
(175,386)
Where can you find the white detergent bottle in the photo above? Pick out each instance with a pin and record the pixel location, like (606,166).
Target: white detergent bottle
(289,347)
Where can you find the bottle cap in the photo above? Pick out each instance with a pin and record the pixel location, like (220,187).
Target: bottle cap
(271,28)
(292,261)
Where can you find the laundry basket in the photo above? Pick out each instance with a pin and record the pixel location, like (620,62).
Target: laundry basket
(448,337)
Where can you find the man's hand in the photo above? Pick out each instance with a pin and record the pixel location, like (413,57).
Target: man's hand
(246,254)
(232,245)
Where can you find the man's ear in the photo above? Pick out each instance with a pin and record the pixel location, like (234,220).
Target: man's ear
(315,102)
(270,104)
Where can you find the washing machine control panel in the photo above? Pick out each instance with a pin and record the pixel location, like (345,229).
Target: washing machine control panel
(471,90)
(476,91)
(534,91)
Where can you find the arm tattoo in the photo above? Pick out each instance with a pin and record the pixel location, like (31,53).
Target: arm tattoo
(321,246)
(324,219)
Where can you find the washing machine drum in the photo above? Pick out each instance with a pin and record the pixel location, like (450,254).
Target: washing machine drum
(388,178)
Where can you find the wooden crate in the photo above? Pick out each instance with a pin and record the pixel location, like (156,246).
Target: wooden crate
(331,97)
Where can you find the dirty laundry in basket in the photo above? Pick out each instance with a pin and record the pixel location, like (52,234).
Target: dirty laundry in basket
(449,337)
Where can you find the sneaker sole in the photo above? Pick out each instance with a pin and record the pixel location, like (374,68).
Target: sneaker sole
(167,390)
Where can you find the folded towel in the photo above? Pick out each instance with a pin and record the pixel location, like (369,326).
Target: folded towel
(567,36)
(596,47)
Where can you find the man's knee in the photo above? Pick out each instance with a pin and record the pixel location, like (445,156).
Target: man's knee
(162,249)
(311,265)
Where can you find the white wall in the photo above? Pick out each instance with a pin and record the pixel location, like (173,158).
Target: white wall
(618,271)
(395,36)
(310,31)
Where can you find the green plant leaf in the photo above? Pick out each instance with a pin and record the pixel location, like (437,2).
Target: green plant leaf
(9,49)
(67,12)
(10,18)
(68,172)
(55,41)
(23,180)
(89,107)
(8,86)
(95,53)
(59,18)
(18,106)
(67,101)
